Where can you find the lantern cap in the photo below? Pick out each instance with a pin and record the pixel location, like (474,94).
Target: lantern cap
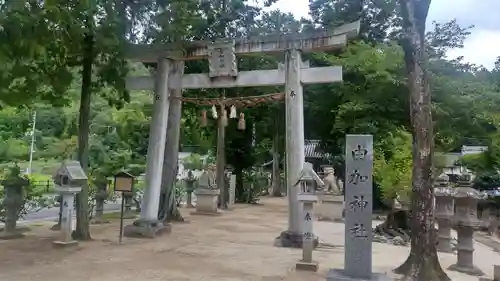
(308,174)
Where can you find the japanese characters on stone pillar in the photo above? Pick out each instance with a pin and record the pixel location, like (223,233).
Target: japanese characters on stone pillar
(358,198)
(358,211)
(308,180)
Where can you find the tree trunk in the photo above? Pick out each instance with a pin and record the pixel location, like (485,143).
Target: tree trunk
(82,231)
(169,210)
(276,177)
(422,264)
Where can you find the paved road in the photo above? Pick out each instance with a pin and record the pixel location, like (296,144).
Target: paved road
(53,213)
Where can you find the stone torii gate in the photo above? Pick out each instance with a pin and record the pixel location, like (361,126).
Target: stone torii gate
(170,80)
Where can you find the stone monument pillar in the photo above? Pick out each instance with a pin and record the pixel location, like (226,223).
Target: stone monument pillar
(358,213)
(68,197)
(308,240)
(148,225)
(465,222)
(14,187)
(444,212)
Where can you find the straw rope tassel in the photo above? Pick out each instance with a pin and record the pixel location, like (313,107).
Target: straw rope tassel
(241,122)
(224,116)
(233,114)
(214,112)
(203,118)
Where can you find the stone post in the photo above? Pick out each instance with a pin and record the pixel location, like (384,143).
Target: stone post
(14,186)
(444,212)
(294,117)
(68,197)
(148,224)
(189,189)
(100,198)
(232,189)
(465,222)
(308,240)
(358,212)
(128,213)
(57,226)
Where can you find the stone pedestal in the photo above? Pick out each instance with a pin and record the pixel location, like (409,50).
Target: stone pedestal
(330,207)
(444,212)
(206,202)
(465,252)
(68,197)
(444,236)
(465,222)
(308,246)
(189,199)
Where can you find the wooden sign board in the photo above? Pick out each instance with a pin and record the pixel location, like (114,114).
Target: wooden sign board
(124,184)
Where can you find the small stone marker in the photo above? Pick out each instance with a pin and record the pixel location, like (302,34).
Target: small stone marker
(358,212)
(307,263)
(308,179)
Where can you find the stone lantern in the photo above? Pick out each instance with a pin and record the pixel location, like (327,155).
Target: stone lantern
(307,197)
(443,212)
(465,222)
(13,201)
(68,181)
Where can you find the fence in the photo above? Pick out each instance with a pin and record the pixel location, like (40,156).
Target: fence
(45,186)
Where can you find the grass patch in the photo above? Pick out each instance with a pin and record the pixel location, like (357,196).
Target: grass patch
(111,216)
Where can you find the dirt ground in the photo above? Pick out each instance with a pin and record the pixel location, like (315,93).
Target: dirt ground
(236,246)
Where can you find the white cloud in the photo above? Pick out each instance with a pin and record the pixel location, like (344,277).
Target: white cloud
(300,8)
(480,47)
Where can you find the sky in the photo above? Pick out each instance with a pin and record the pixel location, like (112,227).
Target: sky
(481,47)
